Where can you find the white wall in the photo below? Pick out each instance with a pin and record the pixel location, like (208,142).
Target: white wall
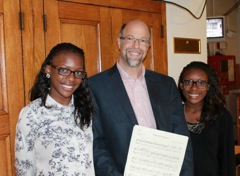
(181,23)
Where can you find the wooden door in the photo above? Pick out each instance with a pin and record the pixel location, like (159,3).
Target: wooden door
(95,29)
(11,82)
(86,26)
(33,41)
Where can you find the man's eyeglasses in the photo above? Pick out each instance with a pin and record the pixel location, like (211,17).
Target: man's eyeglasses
(130,39)
(201,84)
(66,72)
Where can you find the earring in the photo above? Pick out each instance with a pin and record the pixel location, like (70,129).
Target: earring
(48,75)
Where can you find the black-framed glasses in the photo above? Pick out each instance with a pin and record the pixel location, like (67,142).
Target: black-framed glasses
(130,39)
(66,72)
(201,84)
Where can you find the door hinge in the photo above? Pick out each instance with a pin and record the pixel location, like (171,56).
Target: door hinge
(162,31)
(21,20)
(45,23)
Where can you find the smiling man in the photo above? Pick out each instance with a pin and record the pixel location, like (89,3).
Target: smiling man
(128,94)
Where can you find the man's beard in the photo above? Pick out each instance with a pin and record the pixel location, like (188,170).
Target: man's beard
(133,62)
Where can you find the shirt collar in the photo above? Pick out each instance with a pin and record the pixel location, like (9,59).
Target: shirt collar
(126,76)
(51,102)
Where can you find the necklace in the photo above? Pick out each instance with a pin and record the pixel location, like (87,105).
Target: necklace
(195,128)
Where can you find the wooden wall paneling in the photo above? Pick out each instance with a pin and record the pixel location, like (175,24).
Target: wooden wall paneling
(143,5)
(106,45)
(86,37)
(2,76)
(52,33)
(116,23)
(82,29)
(78,11)
(5,153)
(160,45)
(1,6)
(164,60)
(32,41)
(14,70)
(39,48)
(3,88)
(105,39)
(85,30)
(27,43)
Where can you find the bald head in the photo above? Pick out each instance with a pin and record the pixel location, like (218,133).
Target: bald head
(137,26)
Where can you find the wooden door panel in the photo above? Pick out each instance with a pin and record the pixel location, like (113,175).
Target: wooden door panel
(86,37)
(143,5)
(78,11)
(11,82)
(86,30)
(3,86)
(99,41)
(5,153)
(32,41)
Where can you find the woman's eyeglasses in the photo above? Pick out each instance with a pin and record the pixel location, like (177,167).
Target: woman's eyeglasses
(201,84)
(66,72)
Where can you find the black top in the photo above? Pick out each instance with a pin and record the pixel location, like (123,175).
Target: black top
(213,148)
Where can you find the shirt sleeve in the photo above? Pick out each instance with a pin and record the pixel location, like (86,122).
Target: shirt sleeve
(24,144)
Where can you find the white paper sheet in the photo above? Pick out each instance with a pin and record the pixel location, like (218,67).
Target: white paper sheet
(155,153)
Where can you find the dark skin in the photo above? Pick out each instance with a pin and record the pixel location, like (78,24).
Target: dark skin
(194,95)
(63,87)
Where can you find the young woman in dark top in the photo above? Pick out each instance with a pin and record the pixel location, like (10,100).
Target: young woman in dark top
(209,122)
